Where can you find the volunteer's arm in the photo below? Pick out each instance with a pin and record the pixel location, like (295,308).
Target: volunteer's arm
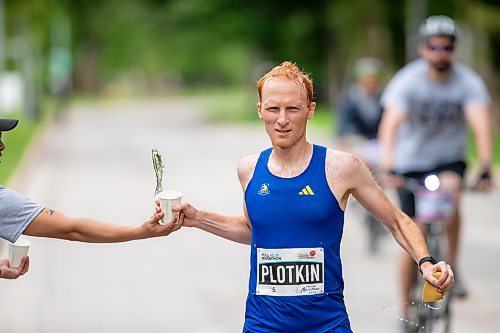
(56,225)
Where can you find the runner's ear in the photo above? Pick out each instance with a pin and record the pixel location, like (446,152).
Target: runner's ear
(312,108)
(259,112)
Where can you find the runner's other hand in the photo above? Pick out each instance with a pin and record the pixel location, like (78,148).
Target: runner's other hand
(445,280)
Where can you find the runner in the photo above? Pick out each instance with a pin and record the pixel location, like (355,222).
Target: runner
(295,194)
(19,215)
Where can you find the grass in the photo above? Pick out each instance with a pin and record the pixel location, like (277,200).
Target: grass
(240,105)
(18,140)
(472,155)
(324,120)
(229,105)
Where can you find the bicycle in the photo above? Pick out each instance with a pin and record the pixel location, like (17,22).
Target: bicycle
(432,205)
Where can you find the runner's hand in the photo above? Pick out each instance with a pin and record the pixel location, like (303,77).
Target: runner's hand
(187,214)
(445,281)
(8,272)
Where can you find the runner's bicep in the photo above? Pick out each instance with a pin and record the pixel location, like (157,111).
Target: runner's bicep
(371,196)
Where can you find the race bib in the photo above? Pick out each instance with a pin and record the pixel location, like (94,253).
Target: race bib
(290,272)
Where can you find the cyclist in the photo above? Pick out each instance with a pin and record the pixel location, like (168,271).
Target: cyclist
(427,106)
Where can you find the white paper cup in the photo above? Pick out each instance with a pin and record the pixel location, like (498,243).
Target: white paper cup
(17,251)
(169,199)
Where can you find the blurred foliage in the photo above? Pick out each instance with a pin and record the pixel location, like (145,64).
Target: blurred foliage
(221,47)
(157,46)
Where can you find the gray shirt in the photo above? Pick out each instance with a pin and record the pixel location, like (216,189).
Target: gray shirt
(434,131)
(16,213)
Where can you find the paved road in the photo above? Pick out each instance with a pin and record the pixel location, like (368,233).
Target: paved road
(96,162)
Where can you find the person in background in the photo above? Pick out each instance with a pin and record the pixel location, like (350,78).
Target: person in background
(360,110)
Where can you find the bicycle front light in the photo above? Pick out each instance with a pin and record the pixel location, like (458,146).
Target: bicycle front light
(432,183)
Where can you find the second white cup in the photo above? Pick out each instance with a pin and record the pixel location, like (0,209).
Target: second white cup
(169,199)
(17,251)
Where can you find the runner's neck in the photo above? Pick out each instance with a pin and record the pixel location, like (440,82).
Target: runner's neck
(288,163)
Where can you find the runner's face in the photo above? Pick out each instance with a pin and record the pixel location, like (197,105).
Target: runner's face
(439,52)
(285,110)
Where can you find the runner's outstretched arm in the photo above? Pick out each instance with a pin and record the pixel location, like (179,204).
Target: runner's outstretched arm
(361,184)
(234,228)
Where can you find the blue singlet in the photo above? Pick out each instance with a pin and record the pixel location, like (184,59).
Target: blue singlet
(291,288)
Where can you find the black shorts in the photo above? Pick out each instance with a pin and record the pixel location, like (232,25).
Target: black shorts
(407,198)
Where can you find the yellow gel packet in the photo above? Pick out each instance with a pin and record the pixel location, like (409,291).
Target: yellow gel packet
(430,293)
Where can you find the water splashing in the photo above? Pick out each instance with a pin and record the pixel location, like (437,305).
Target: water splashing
(158,167)
(411,322)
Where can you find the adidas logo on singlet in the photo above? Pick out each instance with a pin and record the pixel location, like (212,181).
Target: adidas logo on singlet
(306,191)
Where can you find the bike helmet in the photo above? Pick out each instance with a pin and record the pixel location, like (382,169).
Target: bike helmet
(439,25)
(367,66)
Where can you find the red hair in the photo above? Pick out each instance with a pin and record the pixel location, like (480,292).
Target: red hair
(292,72)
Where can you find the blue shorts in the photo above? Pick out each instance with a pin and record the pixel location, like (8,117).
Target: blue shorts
(345,327)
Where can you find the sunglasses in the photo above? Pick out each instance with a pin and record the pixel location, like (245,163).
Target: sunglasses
(436,48)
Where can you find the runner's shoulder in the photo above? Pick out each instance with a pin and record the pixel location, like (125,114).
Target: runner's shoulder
(342,163)
(246,167)
(248,162)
